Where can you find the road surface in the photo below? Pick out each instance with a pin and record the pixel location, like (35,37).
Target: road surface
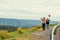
(41,35)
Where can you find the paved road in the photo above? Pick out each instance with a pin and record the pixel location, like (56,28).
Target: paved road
(44,35)
(41,35)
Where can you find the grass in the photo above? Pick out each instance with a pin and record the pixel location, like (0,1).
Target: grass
(23,36)
(52,24)
(14,35)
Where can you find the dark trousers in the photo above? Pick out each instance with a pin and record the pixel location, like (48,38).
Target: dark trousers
(43,26)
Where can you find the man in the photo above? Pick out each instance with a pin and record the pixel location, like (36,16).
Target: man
(43,22)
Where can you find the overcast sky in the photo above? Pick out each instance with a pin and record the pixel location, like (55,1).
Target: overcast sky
(30,9)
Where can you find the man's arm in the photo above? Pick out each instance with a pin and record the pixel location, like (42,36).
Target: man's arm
(41,18)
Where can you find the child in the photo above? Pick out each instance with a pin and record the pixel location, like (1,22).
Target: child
(47,23)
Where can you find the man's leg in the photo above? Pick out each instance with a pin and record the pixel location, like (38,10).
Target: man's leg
(43,26)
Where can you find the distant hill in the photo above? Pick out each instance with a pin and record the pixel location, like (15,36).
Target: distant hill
(10,22)
(21,23)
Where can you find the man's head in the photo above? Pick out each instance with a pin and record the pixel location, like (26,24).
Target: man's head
(43,17)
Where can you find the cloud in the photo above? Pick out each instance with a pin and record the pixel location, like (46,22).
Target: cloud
(29,9)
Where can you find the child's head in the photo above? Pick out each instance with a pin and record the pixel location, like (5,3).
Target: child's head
(47,18)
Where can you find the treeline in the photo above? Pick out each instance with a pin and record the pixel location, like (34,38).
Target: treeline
(9,28)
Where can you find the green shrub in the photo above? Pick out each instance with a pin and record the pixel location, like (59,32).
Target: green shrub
(38,27)
(33,29)
(14,39)
(19,30)
(52,24)
(3,34)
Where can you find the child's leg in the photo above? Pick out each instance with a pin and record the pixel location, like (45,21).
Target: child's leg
(47,26)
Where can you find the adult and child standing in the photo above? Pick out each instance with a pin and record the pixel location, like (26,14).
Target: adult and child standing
(45,23)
